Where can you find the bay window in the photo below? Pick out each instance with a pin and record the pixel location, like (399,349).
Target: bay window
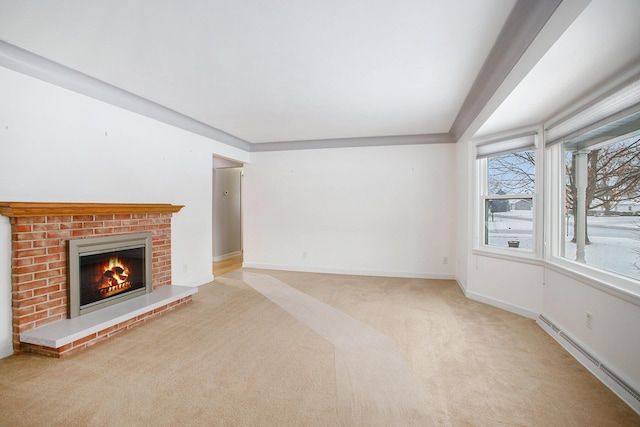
(597,199)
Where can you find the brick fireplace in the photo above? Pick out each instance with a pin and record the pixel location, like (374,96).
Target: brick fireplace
(39,271)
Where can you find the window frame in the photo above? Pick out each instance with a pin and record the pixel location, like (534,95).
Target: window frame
(501,145)
(555,201)
(619,99)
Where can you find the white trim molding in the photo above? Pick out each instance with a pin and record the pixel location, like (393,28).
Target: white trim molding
(25,62)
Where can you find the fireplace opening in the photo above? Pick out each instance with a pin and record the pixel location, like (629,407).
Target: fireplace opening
(108,270)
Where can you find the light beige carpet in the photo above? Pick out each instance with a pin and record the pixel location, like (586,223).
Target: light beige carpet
(269,348)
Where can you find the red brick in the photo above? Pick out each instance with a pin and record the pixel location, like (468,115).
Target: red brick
(20,262)
(107,217)
(65,347)
(82,218)
(108,330)
(126,323)
(56,250)
(34,317)
(46,274)
(134,324)
(25,220)
(70,226)
(47,305)
(15,245)
(62,234)
(61,280)
(62,293)
(26,253)
(22,295)
(30,301)
(23,311)
(92,224)
(29,269)
(82,232)
(46,227)
(20,287)
(47,258)
(18,279)
(46,243)
(104,230)
(59,218)
(26,228)
(46,290)
(58,264)
(59,311)
(30,236)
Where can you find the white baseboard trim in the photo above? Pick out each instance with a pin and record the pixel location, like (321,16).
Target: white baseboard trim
(226,256)
(499,304)
(403,274)
(614,381)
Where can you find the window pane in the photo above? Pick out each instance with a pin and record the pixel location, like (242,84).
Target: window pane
(509,223)
(512,173)
(611,175)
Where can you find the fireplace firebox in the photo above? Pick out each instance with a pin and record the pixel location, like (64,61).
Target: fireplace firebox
(108,270)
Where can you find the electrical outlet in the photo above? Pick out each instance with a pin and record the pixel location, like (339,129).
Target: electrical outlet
(304,255)
(184,268)
(445,260)
(589,320)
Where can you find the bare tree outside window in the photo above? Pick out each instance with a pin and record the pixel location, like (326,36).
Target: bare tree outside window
(612,205)
(613,176)
(512,173)
(509,204)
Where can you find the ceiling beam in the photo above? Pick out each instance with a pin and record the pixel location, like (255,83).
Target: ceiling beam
(530,30)
(373,141)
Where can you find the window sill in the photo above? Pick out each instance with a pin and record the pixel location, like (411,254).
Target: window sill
(612,284)
(618,286)
(516,255)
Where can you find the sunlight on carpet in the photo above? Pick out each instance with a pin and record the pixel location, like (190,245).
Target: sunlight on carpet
(372,379)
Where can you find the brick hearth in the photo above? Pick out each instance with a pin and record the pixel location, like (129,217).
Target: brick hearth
(39,235)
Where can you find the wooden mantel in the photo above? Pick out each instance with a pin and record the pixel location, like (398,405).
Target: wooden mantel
(23,209)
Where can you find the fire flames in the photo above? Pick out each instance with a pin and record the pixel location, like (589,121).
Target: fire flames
(115,278)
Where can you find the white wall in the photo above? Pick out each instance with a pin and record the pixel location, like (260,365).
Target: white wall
(60,146)
(6,345)
(513,285)
(371,210)
(227,232)
(613,339)
(462,224)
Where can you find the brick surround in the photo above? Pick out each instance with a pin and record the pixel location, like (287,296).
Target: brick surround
(39,264)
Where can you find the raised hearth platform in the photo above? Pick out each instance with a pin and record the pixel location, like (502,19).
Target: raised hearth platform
(67,336)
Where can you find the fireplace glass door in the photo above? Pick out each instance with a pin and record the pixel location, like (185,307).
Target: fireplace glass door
(109,274)
(107,270)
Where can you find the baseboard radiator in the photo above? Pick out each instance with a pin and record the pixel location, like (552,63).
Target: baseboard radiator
(633,395)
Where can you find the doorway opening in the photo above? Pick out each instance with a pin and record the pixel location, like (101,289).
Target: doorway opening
(227,216)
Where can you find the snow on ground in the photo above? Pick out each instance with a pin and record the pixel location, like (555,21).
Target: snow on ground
(610,253)
(615,240)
